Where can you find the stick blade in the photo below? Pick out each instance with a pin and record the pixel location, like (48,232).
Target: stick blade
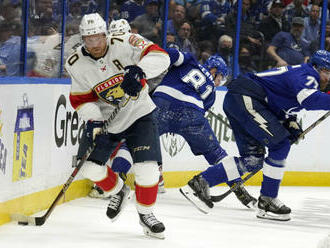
(27,220)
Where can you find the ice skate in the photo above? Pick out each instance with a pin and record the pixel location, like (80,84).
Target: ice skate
(198,193)
(151,226)
(244,197)
(118,202)
(272,209)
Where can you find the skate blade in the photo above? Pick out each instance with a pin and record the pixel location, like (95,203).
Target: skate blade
(188,193)
(271,216)
(149,233)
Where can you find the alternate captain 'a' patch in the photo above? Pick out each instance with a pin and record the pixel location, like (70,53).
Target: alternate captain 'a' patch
(110,90)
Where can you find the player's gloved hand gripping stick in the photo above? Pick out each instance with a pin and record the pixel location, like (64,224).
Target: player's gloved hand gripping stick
(217,198)
(38,221)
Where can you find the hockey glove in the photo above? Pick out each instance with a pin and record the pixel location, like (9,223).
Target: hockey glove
(293,127)
(92,129)
(133,83)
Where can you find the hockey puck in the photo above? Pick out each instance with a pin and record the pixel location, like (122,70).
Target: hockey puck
(23,223)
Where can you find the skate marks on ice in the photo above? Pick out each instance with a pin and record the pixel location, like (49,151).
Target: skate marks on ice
(315,213)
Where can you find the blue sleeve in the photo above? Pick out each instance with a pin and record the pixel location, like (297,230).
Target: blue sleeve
(277,40)
(317,101)
(206,13)
(178,58)
(209,101)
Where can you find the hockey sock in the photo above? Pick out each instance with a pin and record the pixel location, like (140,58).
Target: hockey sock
(272,177)
(273,168)
(145,197)
(110,182)
(223,172)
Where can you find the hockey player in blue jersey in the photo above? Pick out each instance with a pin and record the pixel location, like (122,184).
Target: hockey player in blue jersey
(261,109)
(186,92)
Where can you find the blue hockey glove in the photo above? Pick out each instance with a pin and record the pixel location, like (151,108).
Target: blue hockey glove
(293,127)
(133,80)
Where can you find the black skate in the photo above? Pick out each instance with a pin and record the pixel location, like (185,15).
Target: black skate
(118,202)
(244,197)
(198,193)
(151,226)
(272,209)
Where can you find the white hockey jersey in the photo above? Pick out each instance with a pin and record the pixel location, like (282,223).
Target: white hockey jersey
(96,91)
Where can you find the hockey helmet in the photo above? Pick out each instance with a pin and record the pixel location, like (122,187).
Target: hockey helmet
(120,25)
(92,24)
(218,63)
(321,59)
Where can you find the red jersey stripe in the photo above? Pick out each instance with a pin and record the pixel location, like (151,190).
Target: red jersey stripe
(77,100)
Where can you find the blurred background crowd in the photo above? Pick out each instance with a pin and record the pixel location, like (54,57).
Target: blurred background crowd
(272,32)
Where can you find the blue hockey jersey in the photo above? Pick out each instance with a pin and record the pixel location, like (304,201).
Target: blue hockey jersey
(187,82)
(292,88)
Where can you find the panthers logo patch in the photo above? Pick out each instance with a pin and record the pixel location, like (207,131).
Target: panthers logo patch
(110,90)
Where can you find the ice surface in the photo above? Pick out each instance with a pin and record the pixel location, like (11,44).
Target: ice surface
(82,223)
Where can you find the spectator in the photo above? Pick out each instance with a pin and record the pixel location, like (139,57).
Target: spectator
(247,23)
(259,10)
(185,40)
(318,3)
(179,17)
(275,20)
(295,9)
(75,11)
(149,24)
(131,9)
(9,13)
(225,50)
(10,41)
(312,25)
(206,49)
(327,36)
(43,18)
(213,12)
(287,48)
(245,62)
(248,32)
(170,38)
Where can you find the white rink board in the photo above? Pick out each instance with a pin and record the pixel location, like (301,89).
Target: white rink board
(52,162)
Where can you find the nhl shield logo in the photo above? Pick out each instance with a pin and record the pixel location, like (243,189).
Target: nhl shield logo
(172,143)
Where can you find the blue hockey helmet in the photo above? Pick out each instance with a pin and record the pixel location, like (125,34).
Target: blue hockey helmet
(321,59)
(218,63)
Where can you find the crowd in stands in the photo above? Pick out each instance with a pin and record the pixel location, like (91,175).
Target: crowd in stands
(273,32)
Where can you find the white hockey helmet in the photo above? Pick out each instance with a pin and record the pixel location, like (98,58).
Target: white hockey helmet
(120,25)
(92,24)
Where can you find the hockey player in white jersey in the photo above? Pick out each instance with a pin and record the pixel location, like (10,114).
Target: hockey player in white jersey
(119,26)
(106,71)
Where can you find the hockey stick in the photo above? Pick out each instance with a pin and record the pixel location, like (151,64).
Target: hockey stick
(218,198)
(38,221)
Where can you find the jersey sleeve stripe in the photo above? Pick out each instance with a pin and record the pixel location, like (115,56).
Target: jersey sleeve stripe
(152,48)
(304,93)
(77,99)
(179,60)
